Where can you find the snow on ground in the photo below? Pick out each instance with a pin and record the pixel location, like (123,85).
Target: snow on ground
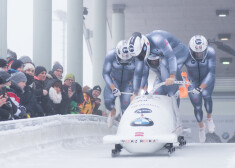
(94,155)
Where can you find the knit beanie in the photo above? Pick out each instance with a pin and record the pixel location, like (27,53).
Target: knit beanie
(69,76)
(28,66)
(3,63)
(97,87)
(25,59)
(16,64)
(18,77)
(56,66)
(5,76)
(39,69)
(11,54)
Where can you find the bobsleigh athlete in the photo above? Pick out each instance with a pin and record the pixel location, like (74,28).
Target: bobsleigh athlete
(122,73)
(158,64)
(172,49)
(201,65)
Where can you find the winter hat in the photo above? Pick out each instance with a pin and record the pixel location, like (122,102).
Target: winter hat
(57,66)
(39,69)
(16,64)
(25,59)
(28,66)
(3,63)
(11,54)
(97,87)
(69,76)
(6,77)
(18,77)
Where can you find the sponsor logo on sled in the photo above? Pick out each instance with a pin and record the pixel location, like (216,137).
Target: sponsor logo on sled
(139,141)
(142,121)
(139,134)
(143,110)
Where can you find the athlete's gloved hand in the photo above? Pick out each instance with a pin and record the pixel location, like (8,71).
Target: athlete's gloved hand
(116,92)
(197,90)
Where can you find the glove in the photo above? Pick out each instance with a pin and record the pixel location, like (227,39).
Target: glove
(21,113)
(197,90)
(116,92)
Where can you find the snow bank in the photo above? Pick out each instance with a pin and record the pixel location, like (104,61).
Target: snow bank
(18,135)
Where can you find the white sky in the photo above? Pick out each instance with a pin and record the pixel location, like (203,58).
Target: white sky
(20,26)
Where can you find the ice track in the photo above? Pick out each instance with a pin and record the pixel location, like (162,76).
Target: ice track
(76,141)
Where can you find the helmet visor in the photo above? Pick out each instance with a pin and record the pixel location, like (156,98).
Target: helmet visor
(153,63)
(198,56)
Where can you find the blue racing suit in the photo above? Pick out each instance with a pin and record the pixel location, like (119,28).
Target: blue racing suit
(198,73)
(173,54)
(126,77)
(171,48)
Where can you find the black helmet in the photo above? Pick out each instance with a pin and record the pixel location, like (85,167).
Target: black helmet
(153,60)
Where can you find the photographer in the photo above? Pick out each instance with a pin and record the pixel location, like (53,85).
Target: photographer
(7,107)
(18,82)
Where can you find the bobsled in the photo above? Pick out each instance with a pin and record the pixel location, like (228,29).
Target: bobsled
(150,123)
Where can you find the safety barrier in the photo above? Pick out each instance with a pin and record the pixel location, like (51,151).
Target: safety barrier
(18,135)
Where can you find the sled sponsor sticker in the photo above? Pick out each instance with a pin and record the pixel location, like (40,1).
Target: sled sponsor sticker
(139,134)
(143,110)
(139,141)
(142,121)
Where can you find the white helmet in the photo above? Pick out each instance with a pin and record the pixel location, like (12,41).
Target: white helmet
(138,45)
(123,56)
(198,47)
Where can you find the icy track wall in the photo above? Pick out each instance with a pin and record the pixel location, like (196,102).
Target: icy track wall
(18,135)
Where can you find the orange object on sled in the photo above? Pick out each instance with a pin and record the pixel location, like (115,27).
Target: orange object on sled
(185,77)
(183,92)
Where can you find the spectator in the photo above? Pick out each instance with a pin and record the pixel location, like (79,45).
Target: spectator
(18,80)
(67,92)
(54,75)
(40,89)
(16,66)
(55,98)
(6,77)
(29,100)
(89,100)
(96,110)
(29,69)
(3,65)
(26,59)
(85,88)
(7,107)
(76,99)
(69,79)
(11,55)
(57,70)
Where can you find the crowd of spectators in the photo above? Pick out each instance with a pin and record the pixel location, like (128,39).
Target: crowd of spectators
(28,91)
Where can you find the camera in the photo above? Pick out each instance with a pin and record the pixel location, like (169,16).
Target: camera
(3,91)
